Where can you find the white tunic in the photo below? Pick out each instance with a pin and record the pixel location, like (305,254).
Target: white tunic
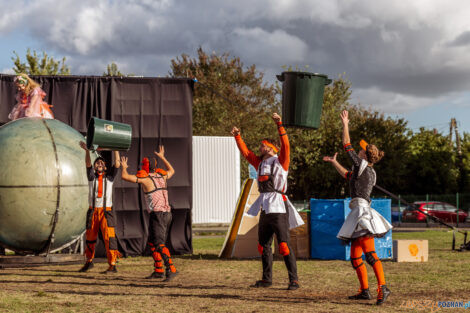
(363,217)
(273,202)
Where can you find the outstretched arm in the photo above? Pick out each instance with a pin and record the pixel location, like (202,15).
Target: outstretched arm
(125,175)
(117,159)
(284,153)
(347,141)
(341,170)
(345,121)
(169,169)
(87,154)
(247,154)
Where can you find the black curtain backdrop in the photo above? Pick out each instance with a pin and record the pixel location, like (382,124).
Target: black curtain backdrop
(160,112)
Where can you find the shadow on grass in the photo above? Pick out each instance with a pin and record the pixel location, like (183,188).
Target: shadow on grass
(199,256)
(221,296)
(135,284)
(245,293)
(80,276)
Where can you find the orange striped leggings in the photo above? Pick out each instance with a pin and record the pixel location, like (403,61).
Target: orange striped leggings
(366,244)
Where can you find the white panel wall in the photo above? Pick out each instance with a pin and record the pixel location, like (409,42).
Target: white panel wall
(216,179)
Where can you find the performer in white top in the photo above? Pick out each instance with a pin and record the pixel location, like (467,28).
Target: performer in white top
(363,222)
(100,215)
(277,213)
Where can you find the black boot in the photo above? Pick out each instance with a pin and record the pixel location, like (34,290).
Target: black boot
(86,266)
(170,275)
(382,294)
(155,275)
(262,284)
(293,285)
(364,294)
(111,269)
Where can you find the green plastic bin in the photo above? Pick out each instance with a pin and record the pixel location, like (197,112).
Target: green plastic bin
(302,98)
(108,135)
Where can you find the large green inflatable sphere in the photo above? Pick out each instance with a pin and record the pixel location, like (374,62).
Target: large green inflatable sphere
(43,185)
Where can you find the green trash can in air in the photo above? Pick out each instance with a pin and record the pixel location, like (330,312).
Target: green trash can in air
(302,98)
(108,135)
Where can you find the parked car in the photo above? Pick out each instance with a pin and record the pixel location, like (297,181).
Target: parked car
(397,213)
(445,211)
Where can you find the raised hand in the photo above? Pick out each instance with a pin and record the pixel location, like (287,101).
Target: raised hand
(276,117)
(235,131)
(124,162)
(330,159)
(83,146)
(161,152)
(345,117)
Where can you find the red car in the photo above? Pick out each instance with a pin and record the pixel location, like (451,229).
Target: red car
(445,211)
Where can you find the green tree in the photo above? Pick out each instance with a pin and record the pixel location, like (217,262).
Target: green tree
(229,94)
(431,164)
(39,65)
(391,136)
(465,178)
(310,176)
(113,70)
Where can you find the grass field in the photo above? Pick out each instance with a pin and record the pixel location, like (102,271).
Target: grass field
(207,284)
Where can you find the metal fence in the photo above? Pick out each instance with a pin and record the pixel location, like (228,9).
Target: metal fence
(459,200)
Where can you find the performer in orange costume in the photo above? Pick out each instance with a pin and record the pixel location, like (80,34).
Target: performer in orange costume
(154,185)
(277,213)
(363,223)
(29,100)
(100,215)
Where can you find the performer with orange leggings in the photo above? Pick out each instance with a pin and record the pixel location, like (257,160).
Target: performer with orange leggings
(100,215)
(154,185)
(363,223)
(277,213)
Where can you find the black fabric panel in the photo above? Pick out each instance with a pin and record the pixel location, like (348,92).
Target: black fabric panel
(110,218)
(113,245)
(89,218)
(179,237)
(159,111)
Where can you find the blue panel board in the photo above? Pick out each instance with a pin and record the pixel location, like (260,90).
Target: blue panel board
(327,217)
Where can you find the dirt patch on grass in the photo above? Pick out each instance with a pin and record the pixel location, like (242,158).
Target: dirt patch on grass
(207,284)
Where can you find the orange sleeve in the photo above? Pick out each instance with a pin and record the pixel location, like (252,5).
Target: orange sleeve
(247,154)
(284,154)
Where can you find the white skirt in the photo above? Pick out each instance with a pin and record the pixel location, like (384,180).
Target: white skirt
(363,219)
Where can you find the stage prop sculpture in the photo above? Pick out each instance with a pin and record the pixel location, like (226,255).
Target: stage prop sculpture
(43,185)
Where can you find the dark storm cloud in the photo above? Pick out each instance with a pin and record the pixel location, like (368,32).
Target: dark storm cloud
(408,53)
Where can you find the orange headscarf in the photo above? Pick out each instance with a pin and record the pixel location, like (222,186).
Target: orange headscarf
(363,144)
(270,145)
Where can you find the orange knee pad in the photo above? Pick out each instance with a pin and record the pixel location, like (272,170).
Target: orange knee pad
(165,250)
(284,249)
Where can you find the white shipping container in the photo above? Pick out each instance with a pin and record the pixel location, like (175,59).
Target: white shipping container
(216,179)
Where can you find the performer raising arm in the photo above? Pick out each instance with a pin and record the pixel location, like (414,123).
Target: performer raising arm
(277,213)
(154,185)
(363,223)
(100,215)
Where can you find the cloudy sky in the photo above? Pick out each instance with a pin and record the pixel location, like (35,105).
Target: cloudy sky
(405,58)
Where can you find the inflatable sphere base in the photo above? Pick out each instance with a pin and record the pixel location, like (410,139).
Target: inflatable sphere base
(43,185)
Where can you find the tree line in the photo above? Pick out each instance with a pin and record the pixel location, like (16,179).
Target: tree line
(228,93)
